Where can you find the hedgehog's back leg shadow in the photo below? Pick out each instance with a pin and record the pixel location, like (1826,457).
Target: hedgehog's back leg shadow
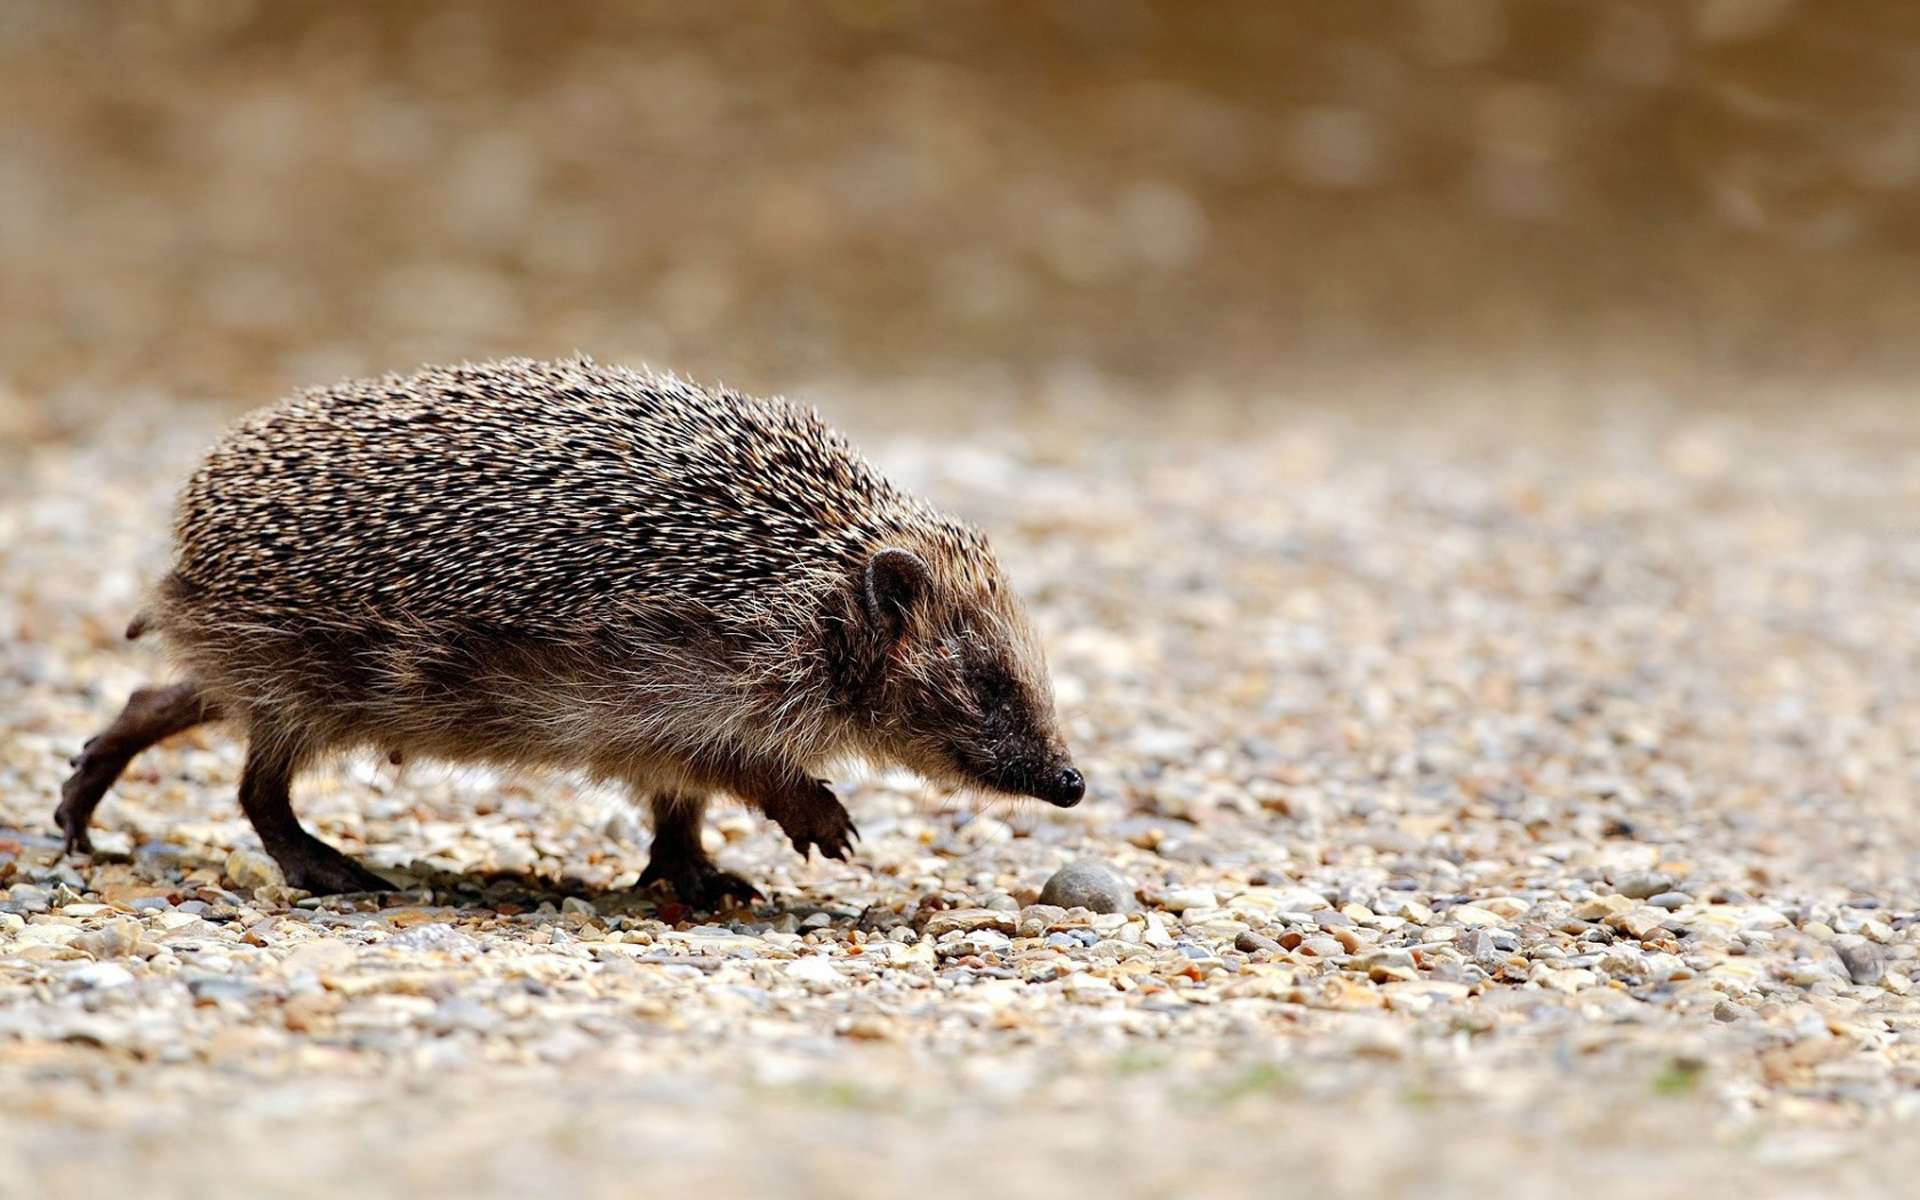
(679,860)
(266,798)
(151,714)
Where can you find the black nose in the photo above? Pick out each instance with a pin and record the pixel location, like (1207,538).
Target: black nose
(1067,788)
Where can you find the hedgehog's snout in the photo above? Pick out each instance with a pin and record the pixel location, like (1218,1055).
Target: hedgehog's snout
(1061,787)
(1064,789)
(1056,781)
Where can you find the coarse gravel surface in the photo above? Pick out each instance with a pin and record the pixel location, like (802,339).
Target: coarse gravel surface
(1502,805)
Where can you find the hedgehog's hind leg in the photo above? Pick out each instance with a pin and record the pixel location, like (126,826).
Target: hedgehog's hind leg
(151,714)
(679,860)
(266,798)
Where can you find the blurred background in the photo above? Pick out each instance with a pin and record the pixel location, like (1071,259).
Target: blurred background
(972,205)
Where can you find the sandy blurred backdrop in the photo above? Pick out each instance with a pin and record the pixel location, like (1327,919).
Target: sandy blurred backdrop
(979,205)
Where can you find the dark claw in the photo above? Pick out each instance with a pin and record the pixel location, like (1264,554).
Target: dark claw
(77,841)
(818,820)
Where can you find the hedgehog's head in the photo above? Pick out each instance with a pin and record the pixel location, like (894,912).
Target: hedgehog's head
(954,683)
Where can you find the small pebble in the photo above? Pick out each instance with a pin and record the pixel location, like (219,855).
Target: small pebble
(1640,885)
(250,870)
(1866,964)
(100,976)
(437,937)
(1255,943)
(1089,885)
(1181,899)
(26,898)
(115,939)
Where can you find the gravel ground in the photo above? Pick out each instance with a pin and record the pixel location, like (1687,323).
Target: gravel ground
(1495,804)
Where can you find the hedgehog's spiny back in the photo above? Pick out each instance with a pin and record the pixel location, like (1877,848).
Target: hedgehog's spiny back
(532,495)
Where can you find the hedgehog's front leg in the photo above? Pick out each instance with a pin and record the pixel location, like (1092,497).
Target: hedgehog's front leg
(805,808)
(811,816)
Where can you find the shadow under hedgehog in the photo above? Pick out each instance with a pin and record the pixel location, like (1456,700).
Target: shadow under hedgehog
(581,566)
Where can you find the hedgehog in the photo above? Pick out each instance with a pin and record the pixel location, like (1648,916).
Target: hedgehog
(684,590)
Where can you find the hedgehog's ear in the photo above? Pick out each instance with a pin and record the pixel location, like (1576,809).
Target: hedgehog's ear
(896,581)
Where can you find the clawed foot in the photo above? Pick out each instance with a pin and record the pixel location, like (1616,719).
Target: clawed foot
(698,883)
(80,794)
(75,838)
(319,868)
(818,819)
(71,817)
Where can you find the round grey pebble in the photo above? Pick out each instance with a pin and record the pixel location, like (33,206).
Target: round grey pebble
(1088,885)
